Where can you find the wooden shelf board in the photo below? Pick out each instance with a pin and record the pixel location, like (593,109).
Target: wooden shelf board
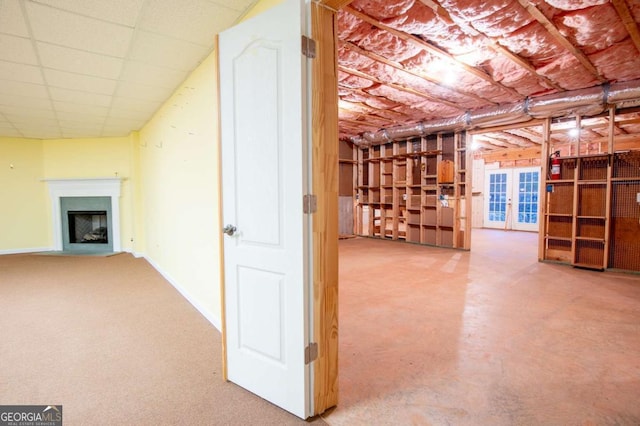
(625,179)
(592,217)
(551,237)
(592,182)
(550,181)
(588,266)
(560,214)
(598,240)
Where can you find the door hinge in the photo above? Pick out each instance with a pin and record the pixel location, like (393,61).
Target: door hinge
(310,353)
(310,204)
(308,47)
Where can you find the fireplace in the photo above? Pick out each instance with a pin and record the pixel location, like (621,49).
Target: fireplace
(85,214)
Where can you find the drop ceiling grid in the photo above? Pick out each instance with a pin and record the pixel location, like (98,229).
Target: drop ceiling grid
(87,68)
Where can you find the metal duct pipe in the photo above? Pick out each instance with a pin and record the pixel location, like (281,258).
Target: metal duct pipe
(627,91)
(584,102)
(499,115)
(577,102)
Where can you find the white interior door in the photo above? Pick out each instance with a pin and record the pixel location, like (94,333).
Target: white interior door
(264,169)
(511,198)
(525,195)
(497,200)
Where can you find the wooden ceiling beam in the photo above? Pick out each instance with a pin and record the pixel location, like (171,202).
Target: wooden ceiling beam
(335,4)
(531,123)
(564,42)
(399,67)
(522,138)
(400,116)
(432,49)
(500,141)
(512,154)
(493,44)
(628,21)
(399,87)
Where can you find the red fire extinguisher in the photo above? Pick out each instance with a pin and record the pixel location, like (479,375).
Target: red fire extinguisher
(555,165)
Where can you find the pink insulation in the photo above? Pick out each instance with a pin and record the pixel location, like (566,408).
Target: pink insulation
(466,34)
(620,62)
(383,9)
(575,4)
(593,29)
(388,45)
(568,72)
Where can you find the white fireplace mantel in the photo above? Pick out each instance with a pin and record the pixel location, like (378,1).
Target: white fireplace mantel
(90,187)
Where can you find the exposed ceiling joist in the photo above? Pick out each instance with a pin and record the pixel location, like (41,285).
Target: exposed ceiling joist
(523,63)
(398,87)
(628,21)
(399,67)
(540,17)
(433,50)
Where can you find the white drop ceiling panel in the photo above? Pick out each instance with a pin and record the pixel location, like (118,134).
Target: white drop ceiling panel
(140,72)
(23,101)
(161,50)
(78,61)
(139,91)
(134,104)
(200,18)
(31,112)
(20,72)
(24,120)
(85,83)
(29,90)
(80,125)
(63,108)
(100,67)
(62,28)
(123,12)
(78,97)
(17,49)
(11,20)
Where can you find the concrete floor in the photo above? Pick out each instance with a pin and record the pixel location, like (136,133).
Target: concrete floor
(489,337)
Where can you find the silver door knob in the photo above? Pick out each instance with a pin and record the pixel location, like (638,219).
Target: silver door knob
(229,230)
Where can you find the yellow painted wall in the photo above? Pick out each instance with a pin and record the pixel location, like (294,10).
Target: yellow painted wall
(179,187)
(96,158)
(23,198)
(179,190)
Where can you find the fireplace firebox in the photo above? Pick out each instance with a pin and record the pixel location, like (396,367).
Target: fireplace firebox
(86,224)
(88,227)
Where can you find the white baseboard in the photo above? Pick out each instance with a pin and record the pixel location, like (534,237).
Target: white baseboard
(214,321)
(25,250)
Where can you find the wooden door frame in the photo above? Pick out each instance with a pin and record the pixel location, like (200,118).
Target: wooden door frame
(325,220)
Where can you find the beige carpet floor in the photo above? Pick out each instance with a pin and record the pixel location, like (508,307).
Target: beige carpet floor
(115,344)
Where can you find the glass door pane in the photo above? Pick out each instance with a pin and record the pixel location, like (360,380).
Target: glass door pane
(498,199)
(528,187)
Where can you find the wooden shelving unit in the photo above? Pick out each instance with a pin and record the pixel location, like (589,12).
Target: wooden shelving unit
(592,212)
(416,190)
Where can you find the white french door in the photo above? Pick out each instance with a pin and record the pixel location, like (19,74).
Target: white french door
(264,175)
(511,198)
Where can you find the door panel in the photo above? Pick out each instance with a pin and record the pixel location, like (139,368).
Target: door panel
(264,165)
(512,198)
(498,199)
(526,205)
